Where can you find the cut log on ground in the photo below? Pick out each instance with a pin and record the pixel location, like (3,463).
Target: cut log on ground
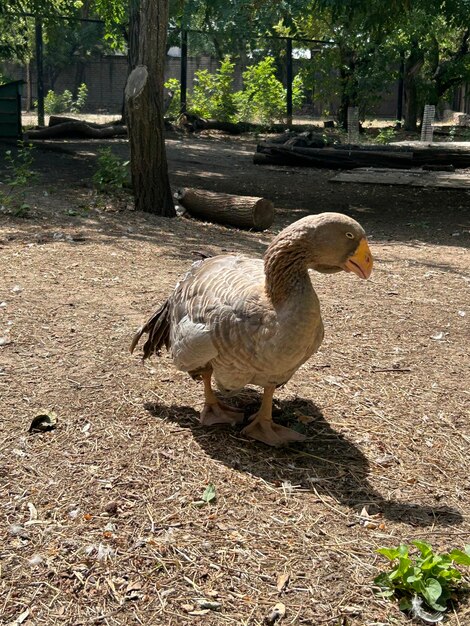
(77,129)
(222,208)
(405,155)
(409,178)
(194,123)
(329,157)
(54,120)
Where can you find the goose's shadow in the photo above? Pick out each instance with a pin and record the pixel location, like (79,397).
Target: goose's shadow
(327,463)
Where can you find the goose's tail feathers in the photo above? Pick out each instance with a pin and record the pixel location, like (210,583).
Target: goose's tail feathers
(158,329)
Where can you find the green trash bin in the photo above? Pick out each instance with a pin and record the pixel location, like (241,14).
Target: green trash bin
(10,109)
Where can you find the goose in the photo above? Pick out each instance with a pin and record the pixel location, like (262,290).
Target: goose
(250,321)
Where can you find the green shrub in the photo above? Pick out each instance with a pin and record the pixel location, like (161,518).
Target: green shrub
(385,135)
(55,103)
(112,173)
(428,576)
(82,95)
(263,97)
(173,85)
(213,95)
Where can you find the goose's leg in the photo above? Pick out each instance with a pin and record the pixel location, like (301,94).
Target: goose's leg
(215,411)
(264,429)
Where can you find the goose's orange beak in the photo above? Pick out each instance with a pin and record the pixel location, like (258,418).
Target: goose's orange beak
(361,261)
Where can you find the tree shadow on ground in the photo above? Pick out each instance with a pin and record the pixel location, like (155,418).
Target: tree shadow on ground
(402,214)
(326,464)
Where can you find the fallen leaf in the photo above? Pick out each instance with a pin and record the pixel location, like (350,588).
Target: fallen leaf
(371,522)
(276,613)
(43,422)
(370,525)
(187,607)
(282,582)
(209,494)
(133,586)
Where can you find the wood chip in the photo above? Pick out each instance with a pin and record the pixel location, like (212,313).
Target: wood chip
(282,582)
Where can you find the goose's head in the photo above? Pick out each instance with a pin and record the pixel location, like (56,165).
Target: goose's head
(329,242)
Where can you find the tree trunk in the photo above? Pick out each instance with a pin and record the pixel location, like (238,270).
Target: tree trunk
(411,104)
(413,65)
(348,84)
(223,208)
(144,109)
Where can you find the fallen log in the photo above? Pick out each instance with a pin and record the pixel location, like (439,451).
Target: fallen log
(194,123)
(399,156)
(55,120)
(77,129)
(222,208)
(331,158)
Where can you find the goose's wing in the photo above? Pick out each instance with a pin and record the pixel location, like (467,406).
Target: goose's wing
(219,311)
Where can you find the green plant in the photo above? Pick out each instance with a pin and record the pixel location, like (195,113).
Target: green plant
(385,135)
(19,174)
(63,102)
(426,576)
(263,97)
(79,102)
(173,85)
(4,78)
(465,135)
(112,172)
(213,95)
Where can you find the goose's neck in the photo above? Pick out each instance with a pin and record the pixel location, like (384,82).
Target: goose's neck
(286,270)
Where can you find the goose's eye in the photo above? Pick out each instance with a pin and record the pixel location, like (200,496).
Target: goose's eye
(349,235)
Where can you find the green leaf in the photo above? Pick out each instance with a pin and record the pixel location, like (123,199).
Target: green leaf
(209,494)
(423,547)
(403,567)
(450,574)
(416,574)
(462,558)
(432,592)
(389,553)
(403,550)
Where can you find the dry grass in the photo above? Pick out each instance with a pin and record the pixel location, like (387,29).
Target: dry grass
(100,517)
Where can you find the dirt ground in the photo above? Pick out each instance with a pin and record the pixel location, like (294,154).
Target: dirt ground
(101,518)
